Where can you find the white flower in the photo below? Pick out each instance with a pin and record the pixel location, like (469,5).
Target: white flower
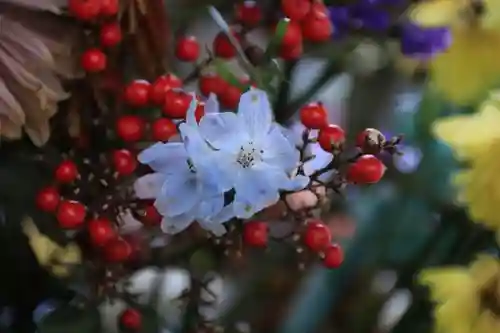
(188,192)
(253,155)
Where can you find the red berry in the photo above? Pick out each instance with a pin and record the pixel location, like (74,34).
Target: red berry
(248,13)
(66,172)
(117,250)
(314,116)
(160,87)
(317,236)
(163,129)
(295,9)
(255,233)
(131,319)
(151,216)
(101,231)
(124,162)
(200,111)
(93,60)
(137,93)
(331,137)
(109,7)
(222,47)
(71,214)
(110,34)
(317,27)
(333,256)
(84,10)
(176,104)
(292,36)
(366,170)
(130,128)
(230,97)
(291,53)
(47,199)
(211,83)
(187,49)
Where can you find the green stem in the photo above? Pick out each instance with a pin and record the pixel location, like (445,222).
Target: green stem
(333,68)
(284,89)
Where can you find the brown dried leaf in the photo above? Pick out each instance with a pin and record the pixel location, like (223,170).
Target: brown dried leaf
(53,6)
(9,106)
(39,132)
(9,129)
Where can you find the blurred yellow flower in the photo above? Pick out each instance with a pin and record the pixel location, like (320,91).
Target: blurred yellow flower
(475,139)
(470,66)
(467,298)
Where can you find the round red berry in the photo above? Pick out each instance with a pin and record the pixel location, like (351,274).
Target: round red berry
(333,256)
(292,36)
(248,13)
(187,49)
(230,97)
(47,199)
(160,87)
(314,116)
(117,250)
(163,129)
(317,27)
(84,10)
(176,104)
(317,236)
(222,47)
(137,93)
(109,7)
(366,170)
(131,319)
(71,214)
(130,128)
(66,172)
(295,9)
(151,216)
(93,61)
(331,137)
(101,231)
(110,34)
(255,234)
(211,84)
(124,162)
(291,53)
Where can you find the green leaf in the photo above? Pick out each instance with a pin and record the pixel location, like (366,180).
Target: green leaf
(150,320)
(202,261)
(71,319)
(431,107)
(227,75)
(275,42)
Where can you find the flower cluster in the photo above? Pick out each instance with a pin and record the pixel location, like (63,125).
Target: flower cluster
(244,154)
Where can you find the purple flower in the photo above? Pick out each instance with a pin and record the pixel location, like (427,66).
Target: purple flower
(340,18)
(422,42)
(360,16)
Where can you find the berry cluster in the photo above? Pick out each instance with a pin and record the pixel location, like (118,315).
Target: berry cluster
(103,13)
(83,201)
(365,167)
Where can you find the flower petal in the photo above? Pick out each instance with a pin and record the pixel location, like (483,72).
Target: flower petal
(148,186)
(175,224)
(210,207)
(254,186)
(212,104)
(164,157)
(279,151)
(177,196)
(224,215)
(255,113)
(217,229)
(191,112)
(222,130)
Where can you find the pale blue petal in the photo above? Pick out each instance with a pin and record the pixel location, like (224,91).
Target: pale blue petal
(164,157)
(224,215)
(223,131)
(277,178)
(320,160)
(255,113)
(210,207)
(177,196)
(191,112)
(175,224)
(256,186)
(279,152)
(212,104)
(244,209)
(196,147)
